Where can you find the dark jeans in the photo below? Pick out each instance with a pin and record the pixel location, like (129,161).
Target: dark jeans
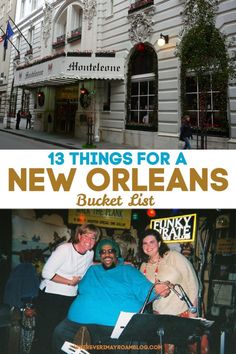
(28,123)
(50,310)
(187,145)
(100,338)
(17,124)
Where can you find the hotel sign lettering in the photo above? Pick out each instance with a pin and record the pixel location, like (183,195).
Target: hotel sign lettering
(95,67)
(69,68)
(176,229)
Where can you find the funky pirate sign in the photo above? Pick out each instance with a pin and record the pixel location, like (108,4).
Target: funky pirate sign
(176,229)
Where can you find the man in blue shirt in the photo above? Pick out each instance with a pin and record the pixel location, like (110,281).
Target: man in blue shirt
(105,291)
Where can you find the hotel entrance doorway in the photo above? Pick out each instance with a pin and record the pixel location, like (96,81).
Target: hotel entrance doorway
(66,106)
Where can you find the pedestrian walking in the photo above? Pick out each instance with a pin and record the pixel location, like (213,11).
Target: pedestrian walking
(18,118)
(186,132)
(28,120)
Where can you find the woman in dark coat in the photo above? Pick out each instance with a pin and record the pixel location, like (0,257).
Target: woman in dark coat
(18,118)
(186,132)
(28,120)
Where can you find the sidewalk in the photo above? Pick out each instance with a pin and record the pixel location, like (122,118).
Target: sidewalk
(61,140)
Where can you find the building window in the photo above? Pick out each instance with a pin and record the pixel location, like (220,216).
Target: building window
(18,42)
(213,100)
(109,7)
(22,10)
(31,36)
(139,5)
(74,27)
(142,90)
(34,4)
(76,17)
(142,100)
(12,103)
(60,28)
(25,102)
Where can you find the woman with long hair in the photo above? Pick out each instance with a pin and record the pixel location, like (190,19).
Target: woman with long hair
(162,264)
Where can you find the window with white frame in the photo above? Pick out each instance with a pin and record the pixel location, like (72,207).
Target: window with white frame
(22,9)
(109,7)
(12,103)
(68,25)
(76,19)
(214,101)
(34,4)
(31,35)
(25,101)
(142,99)
(18,42)
(17,47)
(60,27)
(142,89)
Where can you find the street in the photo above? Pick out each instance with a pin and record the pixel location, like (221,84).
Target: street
(11,141)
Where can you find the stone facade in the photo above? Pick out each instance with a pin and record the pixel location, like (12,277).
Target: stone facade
(105,26)
(7,8)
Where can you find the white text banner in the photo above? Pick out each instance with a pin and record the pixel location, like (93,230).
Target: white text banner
(117,179)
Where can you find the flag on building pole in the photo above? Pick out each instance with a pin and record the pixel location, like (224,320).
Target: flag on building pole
(9,34)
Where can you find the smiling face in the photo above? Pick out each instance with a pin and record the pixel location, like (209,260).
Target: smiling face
(108,257)
(86,242)
(151,246)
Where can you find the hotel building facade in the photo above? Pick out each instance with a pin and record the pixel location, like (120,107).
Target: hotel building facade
(100,64)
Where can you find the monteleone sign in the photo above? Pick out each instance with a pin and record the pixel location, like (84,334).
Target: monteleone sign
(71,68)
(176,229)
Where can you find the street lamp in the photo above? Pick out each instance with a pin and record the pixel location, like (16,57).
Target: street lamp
(164,39)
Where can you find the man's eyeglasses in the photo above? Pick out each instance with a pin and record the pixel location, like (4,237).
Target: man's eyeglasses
(110,251)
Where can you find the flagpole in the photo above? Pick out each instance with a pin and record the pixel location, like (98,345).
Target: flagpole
(10,106)
(20,32)
(10,42)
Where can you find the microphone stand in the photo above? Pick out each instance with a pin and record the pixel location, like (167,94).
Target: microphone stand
(180,293)
(147,299)
(161,331)
(183,296)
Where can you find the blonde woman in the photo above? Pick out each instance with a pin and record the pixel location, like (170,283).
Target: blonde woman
(61,274)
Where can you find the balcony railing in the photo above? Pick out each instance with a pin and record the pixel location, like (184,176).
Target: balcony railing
(105,53)
(29,52)
(17,57)
(75,35)
(79,54)
(60,41)
(140,4)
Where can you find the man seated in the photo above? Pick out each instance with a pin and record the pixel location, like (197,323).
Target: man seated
(105,291)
